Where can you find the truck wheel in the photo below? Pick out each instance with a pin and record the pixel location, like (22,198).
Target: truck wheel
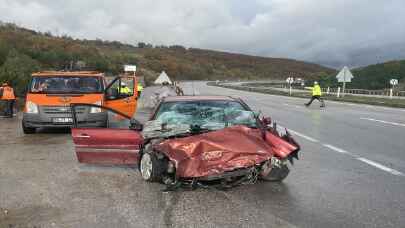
(150,167)
(28,130)
(276,174)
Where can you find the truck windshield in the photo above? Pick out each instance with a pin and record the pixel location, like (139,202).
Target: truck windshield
(63,84)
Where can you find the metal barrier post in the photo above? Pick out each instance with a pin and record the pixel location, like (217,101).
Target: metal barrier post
(338,92)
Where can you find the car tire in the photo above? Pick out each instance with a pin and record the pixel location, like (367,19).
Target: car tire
(150,167)
(28,130)
(276,174)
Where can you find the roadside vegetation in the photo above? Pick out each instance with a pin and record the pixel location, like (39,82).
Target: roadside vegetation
(23,51)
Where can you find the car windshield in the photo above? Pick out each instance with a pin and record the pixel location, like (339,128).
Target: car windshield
(208,115)
(71,84)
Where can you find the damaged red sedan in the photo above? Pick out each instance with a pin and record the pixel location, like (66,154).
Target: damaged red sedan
(189,140)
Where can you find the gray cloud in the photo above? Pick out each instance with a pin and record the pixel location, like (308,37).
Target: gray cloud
(330,32)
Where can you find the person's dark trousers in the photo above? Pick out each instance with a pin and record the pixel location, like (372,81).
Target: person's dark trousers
(9,108)
(319,98)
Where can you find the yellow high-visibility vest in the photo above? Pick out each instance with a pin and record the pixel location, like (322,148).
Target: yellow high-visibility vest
(139,88)
(125,90)
(316,91)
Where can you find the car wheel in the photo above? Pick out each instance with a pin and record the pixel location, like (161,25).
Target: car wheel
(150,167)
(28,130)
(276,173)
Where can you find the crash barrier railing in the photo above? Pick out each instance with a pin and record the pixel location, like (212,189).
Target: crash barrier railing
(335,91)
(282,88)
(386,92)
(330,90)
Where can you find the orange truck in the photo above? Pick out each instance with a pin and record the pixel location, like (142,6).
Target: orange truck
(50,94)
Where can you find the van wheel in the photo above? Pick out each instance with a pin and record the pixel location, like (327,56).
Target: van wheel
(28,130)
(277,174)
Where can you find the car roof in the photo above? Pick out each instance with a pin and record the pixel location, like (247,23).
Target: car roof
(69,73)
(199,98)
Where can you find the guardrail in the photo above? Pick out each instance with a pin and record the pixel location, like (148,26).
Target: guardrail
(334,91)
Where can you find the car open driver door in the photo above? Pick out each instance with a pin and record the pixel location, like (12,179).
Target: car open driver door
(118,143)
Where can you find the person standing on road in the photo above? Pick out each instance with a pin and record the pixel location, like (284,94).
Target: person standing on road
(179,90)
(139,88)
(7,95)
(316,94)
(124,89)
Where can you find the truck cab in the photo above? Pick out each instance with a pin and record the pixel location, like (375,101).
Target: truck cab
(51,93)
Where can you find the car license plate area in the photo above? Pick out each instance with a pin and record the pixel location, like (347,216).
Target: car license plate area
(62,120)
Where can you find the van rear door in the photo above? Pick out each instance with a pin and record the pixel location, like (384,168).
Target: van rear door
(121,94)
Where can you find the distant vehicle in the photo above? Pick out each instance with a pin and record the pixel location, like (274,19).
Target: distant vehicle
(50,94)
(190,140)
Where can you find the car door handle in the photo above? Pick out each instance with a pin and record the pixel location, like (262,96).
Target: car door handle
(83,136)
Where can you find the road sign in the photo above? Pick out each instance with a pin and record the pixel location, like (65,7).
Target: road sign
(345,75)
(129,68)
(290,80)
(394,82)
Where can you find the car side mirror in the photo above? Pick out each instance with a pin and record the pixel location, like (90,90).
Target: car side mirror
(112,93)
(135,125)
(266,121)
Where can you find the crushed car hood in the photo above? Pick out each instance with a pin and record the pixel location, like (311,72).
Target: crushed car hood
(217,152)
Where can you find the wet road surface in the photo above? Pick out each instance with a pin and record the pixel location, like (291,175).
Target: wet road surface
(349,175)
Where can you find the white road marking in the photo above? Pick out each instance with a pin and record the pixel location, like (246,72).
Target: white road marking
(342,151)
(383,121)
(379,166)
(336,149)
(303,136)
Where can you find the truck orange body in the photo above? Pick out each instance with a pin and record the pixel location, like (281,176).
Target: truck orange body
(50,94)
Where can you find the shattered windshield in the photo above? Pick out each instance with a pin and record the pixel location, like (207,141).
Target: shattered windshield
(209,115)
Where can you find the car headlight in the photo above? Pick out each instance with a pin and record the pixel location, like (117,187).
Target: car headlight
(95,109)
(31,107)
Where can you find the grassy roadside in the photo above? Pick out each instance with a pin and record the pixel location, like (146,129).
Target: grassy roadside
(396,103)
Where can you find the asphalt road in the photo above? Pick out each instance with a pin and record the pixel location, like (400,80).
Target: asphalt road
(351,174)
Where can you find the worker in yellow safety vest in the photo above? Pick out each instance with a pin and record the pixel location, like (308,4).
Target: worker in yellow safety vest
(139,88)
(124,90)
(316,94)
(7,95)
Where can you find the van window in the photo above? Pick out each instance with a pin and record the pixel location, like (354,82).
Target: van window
(63,84)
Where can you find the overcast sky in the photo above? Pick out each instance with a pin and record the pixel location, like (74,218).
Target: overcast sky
(331,32)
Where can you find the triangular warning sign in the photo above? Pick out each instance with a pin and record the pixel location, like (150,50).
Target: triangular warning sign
(345,75)
(163,78)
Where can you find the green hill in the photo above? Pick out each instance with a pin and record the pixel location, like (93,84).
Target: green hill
(373,77)
(23,51)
